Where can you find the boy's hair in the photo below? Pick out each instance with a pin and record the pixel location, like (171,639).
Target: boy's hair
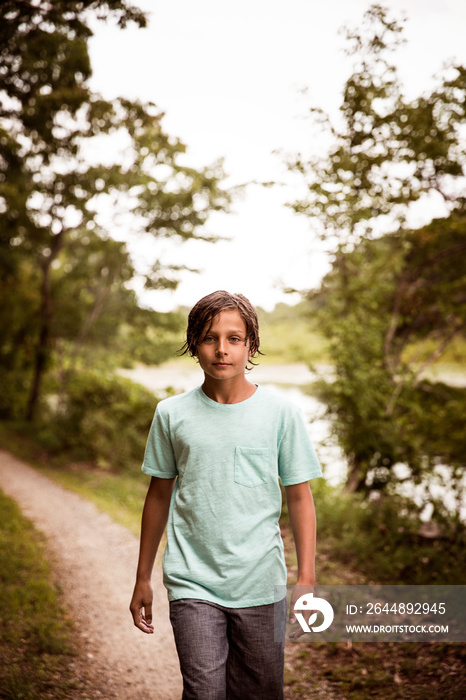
(208,307)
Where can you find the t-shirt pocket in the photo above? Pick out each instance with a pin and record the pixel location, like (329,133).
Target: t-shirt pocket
(251,465)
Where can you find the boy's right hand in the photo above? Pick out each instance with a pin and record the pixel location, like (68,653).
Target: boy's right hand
(141,607)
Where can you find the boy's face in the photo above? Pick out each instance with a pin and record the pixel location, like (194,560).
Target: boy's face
(223,351)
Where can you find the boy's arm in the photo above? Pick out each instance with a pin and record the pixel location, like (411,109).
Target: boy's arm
(303,525)
(154,520)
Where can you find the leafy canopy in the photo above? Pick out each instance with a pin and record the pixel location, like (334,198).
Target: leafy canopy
(71,165)
(391,286)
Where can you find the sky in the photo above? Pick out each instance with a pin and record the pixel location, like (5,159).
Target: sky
(230,79)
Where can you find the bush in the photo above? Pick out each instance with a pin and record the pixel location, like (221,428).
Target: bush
(381,539)
(103,418)
(14,394)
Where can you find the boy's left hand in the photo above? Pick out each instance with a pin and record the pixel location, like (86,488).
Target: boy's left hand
(141,607)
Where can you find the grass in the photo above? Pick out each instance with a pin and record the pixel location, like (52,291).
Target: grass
(285,344)
(388,671)
(36,649)
(289,335)
(454,356)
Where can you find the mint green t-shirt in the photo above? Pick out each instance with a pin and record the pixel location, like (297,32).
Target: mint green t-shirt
(223,537)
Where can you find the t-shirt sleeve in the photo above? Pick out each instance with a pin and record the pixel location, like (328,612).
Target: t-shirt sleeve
(159,458)
(297,460)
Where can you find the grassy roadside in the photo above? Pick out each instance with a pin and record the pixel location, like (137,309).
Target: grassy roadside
(119,495)
(36,648)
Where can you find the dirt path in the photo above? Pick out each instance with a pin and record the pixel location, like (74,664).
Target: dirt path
(95,559)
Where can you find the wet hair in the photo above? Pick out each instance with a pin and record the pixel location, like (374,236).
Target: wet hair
(208,308)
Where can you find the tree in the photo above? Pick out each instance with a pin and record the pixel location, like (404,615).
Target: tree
(403,303)
(94,307)
(385,292)
(54,185)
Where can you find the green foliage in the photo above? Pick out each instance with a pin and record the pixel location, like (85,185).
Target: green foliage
(382,539)
(101,418)
(389,152)
(19,326)
(409,291)
(57,179)
(432,418)
(430,300)
(388,293)
(150,337)
(35,638)
(88,282)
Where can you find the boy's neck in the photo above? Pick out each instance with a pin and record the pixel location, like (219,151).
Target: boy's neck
(232,390)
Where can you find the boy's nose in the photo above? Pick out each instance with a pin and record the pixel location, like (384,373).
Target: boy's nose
(220,348)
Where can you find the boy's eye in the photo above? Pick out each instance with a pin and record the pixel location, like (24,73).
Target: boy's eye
(212,339)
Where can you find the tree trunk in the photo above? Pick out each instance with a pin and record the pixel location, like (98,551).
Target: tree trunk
(356,479)
(42,348)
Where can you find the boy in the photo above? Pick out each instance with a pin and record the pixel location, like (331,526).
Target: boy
(215,454)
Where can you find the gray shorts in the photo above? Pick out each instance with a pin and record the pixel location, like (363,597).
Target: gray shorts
(229,653)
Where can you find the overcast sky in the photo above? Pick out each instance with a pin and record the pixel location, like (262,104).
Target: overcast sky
(229,78)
